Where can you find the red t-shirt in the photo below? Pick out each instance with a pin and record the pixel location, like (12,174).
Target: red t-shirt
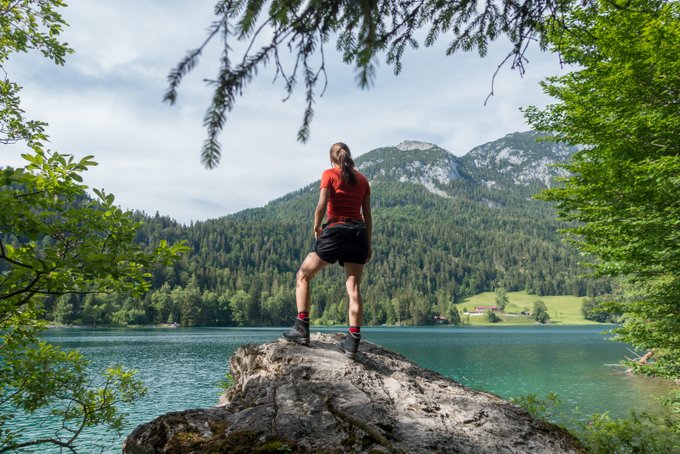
(345,198)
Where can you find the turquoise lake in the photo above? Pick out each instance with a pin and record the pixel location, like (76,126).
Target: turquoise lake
(181,367)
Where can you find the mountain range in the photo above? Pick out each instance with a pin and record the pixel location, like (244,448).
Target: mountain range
(444,227)
(514,167)
(514,162)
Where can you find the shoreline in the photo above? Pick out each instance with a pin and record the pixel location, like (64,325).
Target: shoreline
(471,325)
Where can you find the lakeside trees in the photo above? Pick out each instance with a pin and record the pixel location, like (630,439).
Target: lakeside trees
(621,103)
(501,298)
(540,312)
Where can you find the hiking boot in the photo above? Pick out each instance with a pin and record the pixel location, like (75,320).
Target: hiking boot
(350,344)
(299,332)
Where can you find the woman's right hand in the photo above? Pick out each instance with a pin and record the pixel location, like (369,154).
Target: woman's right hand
(317,231)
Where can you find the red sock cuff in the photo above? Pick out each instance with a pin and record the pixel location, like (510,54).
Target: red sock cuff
(355,329)
(303,315)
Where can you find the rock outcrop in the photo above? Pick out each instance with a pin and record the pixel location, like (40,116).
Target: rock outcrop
(290,398)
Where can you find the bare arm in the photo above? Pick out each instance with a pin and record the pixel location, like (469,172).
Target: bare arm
(320,210)
(368,220)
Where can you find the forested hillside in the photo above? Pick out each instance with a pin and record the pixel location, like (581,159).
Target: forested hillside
(444,227)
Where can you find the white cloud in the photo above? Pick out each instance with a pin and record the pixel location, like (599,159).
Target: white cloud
(106,101)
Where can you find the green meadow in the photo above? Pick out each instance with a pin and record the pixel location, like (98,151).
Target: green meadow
(563,310)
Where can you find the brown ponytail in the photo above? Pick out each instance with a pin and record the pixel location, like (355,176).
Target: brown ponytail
(341,156)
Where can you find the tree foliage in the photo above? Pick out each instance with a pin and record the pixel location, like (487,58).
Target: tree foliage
(26,25)
(43,378)
(56,241)
(640,432)
(292,36)
(622,105)
(501,298)
(492,317)
(540,312)
(603,309)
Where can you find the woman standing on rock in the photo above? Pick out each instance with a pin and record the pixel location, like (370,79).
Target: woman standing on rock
(345,199)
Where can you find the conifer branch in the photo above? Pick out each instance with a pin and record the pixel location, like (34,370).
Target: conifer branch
(363,30)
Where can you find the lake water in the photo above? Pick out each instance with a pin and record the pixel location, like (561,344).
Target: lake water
(181,367)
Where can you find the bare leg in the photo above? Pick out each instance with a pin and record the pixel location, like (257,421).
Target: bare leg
(353,273)
(311,265)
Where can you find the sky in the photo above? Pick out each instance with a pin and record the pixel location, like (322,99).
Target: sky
(107,102)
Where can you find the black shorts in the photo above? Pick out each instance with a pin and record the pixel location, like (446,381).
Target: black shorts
(343,243)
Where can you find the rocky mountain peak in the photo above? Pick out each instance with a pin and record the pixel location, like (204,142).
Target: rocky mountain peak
(520,158)
(408,145)
(515,166)
(314,399)
(420,163)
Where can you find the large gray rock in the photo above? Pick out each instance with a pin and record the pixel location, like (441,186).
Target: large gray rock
(290,398)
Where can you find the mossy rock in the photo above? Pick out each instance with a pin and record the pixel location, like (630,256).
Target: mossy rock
(242,442)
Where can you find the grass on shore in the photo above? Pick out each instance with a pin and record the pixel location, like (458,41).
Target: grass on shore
(564,310)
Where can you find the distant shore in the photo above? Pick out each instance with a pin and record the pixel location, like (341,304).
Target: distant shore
(52,325)
(562,309)
(476,321)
